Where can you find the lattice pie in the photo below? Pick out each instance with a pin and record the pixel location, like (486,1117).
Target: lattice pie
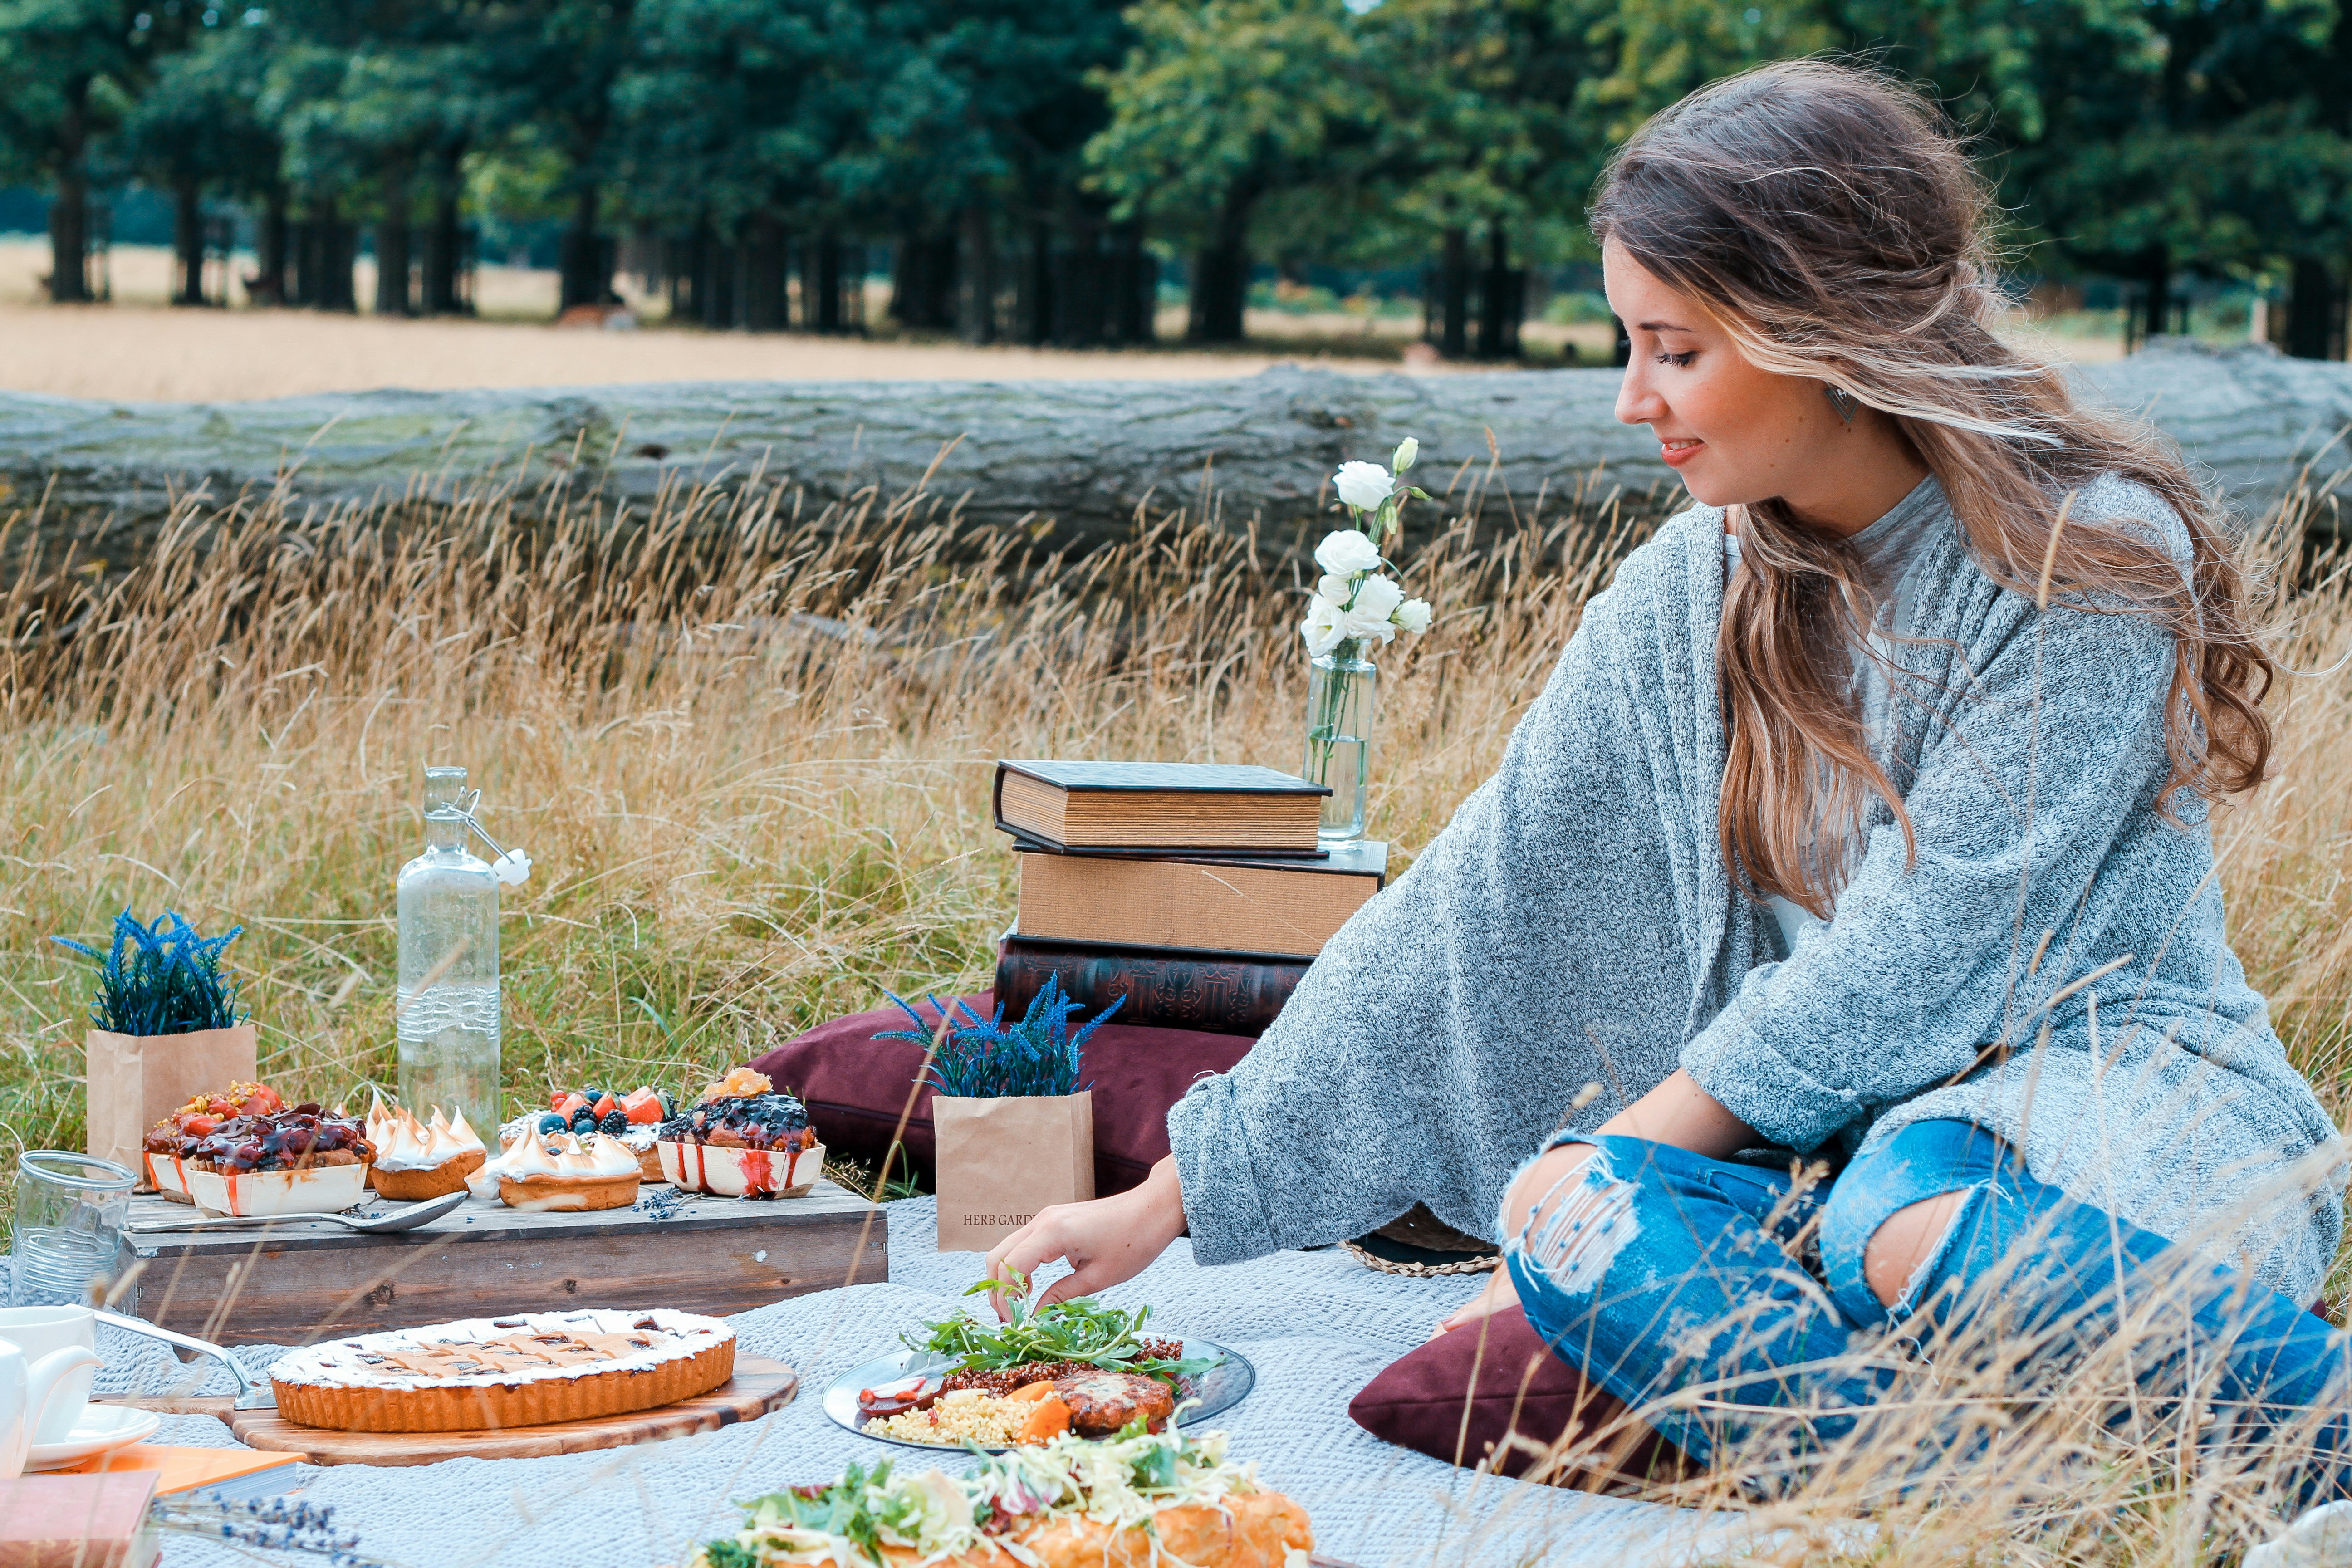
(522,1371)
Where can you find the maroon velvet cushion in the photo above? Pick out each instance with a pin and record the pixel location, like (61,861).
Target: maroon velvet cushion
(1418,1402)
(856,1087)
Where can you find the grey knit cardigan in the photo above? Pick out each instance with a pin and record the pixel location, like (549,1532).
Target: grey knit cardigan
(1574,924)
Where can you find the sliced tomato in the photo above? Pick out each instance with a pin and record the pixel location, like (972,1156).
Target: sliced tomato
(199,1126)
(643,1106)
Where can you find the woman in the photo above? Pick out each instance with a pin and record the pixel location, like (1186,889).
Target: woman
(1865,818)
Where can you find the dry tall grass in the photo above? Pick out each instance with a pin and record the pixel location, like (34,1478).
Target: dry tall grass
(748,751)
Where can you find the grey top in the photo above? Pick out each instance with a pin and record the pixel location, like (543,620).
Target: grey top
(1574,924)
(1890,549)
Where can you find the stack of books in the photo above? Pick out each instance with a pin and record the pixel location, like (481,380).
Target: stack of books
(1197,891)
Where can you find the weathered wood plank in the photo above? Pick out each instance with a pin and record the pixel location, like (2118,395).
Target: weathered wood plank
(310,1280)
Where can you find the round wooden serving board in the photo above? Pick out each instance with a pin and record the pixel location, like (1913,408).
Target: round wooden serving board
(757,1387)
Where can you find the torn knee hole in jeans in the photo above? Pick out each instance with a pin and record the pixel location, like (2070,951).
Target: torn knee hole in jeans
(1907,1300)
(1591,1223)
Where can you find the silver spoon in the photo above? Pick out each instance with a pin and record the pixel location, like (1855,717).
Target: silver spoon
(252,1393)
(409,1218)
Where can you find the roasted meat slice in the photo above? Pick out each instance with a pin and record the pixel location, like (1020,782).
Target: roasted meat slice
(1102,1402)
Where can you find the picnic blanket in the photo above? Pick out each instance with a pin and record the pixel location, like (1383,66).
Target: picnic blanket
(1318,1325)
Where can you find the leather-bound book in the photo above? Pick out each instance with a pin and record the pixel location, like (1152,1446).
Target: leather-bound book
(1151,807)
(78,1522)
(1218,993)
(1215,903)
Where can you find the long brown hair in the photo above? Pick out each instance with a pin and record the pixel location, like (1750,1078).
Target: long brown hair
(1832,222)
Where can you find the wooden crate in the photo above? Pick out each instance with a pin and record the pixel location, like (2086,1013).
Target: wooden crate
(310,1279)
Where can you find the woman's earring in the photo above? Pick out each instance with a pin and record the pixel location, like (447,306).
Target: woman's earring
(1842,400)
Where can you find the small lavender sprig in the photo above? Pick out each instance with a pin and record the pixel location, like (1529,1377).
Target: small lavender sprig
(160,980)
(979,1059)
(273,1524)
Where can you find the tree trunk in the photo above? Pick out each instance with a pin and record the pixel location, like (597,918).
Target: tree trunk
(332,241)
(1135,286)
(1080,453)
(392,244)
(1502,299)
(2315,310)
(976,270)
(1078,289)
(268,284)
(585,279)
(188,241)
(69,238)
(1034,311)
(716,288)
(764,277)
(2156,305)
(1453,295)
(1221,272)
(822,284)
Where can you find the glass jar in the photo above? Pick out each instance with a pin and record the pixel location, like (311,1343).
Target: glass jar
(1341,688)
(448,1004)
(69,1212)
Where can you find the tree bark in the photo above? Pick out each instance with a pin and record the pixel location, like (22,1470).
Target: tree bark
(188,241)
(1135,286)
(2156,305)
(1502,299)
(1083,454)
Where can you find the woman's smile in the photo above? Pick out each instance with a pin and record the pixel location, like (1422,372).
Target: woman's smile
(1679,449)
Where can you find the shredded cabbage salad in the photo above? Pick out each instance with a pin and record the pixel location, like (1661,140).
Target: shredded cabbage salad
(1120,1482)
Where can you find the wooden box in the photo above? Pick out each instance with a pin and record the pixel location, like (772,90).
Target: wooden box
(292,1283)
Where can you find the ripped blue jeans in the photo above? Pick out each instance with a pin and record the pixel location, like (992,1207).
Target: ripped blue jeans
(1726,1304)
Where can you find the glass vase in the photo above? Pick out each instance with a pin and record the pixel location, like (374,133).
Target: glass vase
(1341,687)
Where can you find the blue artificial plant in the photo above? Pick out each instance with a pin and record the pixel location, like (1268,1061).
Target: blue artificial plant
(155,981)
(979,1059)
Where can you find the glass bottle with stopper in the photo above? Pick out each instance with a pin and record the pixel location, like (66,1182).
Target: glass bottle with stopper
(448,1007)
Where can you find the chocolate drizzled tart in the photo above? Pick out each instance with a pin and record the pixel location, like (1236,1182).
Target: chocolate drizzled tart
(526,1370)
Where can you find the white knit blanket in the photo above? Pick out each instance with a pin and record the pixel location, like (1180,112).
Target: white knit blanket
(1318,1325)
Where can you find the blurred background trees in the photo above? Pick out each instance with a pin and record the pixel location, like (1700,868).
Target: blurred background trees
(1054,171)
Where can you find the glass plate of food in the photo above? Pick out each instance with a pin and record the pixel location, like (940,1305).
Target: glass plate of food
(1073,1366)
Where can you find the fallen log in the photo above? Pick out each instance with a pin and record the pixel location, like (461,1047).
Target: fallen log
(1086,455)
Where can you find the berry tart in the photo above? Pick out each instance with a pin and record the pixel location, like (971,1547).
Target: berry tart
(173,1142)
(635,1119)
(526,1370)
(742,1139)
(303,1161)
(568,1173)
(415,1161)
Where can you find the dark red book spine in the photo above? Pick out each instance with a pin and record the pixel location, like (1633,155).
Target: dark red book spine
(1165,989)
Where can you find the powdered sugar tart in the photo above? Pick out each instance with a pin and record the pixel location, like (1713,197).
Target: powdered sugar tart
(526,1370)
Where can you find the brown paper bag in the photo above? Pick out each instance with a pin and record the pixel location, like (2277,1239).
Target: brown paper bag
(136,1081)
(1000,1161)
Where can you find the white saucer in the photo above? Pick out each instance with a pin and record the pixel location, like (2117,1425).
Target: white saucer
(101,1429)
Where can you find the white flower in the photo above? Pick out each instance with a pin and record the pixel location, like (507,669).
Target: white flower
(1346,550)
(1322,626)
(1336,588)
(1407,450)
(1363,486)
(1376,599)
(1413,615)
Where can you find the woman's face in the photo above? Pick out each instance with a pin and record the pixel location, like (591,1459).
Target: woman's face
(1735,432)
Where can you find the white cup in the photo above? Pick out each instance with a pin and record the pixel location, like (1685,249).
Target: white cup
(27,1389)
(40,1332)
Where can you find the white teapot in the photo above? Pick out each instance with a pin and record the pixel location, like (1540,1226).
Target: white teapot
(25,1393)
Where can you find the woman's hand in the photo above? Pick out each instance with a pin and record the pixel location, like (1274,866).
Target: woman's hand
(1106,1242)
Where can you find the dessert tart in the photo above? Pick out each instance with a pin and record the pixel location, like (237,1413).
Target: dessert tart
(302,1161)
(742,1139)
(526,1370)
(414,1162)
(633,1118)
(164,1153)
(568,1173)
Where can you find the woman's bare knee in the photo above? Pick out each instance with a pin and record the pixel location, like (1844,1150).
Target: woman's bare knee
(1897,1248)
(1537,1182)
